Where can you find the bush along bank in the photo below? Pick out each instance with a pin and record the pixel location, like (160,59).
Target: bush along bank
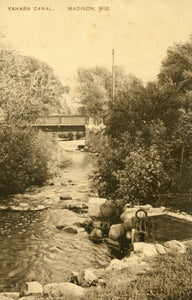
(27,158)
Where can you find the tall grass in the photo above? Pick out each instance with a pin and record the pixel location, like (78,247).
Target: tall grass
(169,279)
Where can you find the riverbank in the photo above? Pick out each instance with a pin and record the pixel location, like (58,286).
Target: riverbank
(163,276)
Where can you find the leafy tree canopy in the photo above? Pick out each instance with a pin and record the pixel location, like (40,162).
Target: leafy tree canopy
(28,87)
(177,67)
(95,89)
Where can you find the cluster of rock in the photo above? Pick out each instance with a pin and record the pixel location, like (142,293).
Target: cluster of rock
(118,222)
(66,202)
(138,261)
(81,281)
(117,225)
(76,288)
(34,289)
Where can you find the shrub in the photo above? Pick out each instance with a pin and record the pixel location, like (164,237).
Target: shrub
(142,177)
(25,158)
(134,172)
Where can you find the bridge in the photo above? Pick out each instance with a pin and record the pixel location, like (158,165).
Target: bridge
(73,123)
(66,124)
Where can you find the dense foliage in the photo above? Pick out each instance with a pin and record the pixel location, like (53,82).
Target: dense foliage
(25,156)
(28,89)
(146,147)
(94,89)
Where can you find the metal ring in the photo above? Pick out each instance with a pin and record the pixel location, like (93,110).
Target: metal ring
(143,215)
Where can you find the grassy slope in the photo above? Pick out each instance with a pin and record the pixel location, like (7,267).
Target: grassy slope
(169,278)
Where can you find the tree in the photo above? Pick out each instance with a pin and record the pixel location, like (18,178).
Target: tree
(95,89)
(28,87)
(177,67)
(127,112)
(147,147)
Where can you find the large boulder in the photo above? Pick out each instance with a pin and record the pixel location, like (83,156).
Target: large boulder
(108,209)
(150,250)
(145,249)
(112,209)
(128,262)
(94,206)
(128,214)
(115,264)
(116,231)
(66,289)
(175,246)
(129,224)
(86,278)
(160,249)
(31,288)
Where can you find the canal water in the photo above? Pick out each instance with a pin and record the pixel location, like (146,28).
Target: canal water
(31,246)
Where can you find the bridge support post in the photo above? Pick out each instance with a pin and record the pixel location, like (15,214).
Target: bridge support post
(74,135)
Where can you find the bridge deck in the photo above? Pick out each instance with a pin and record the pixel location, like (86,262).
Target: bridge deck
(62,120)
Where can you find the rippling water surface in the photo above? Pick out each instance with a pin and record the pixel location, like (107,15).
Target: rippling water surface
(31,247)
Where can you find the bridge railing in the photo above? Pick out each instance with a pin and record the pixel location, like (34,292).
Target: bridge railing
(62,120)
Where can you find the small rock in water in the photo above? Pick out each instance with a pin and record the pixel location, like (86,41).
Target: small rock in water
(73,278)
(22,204)
(60,227)
(70,229)
(96,235)
(40,207)
(51,183)
(65,197)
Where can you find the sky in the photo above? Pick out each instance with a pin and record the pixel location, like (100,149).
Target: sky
(140,31)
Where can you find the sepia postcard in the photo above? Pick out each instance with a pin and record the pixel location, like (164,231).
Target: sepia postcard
(95,149)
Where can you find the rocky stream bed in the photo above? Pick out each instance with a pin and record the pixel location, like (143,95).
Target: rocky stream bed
(32,244)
